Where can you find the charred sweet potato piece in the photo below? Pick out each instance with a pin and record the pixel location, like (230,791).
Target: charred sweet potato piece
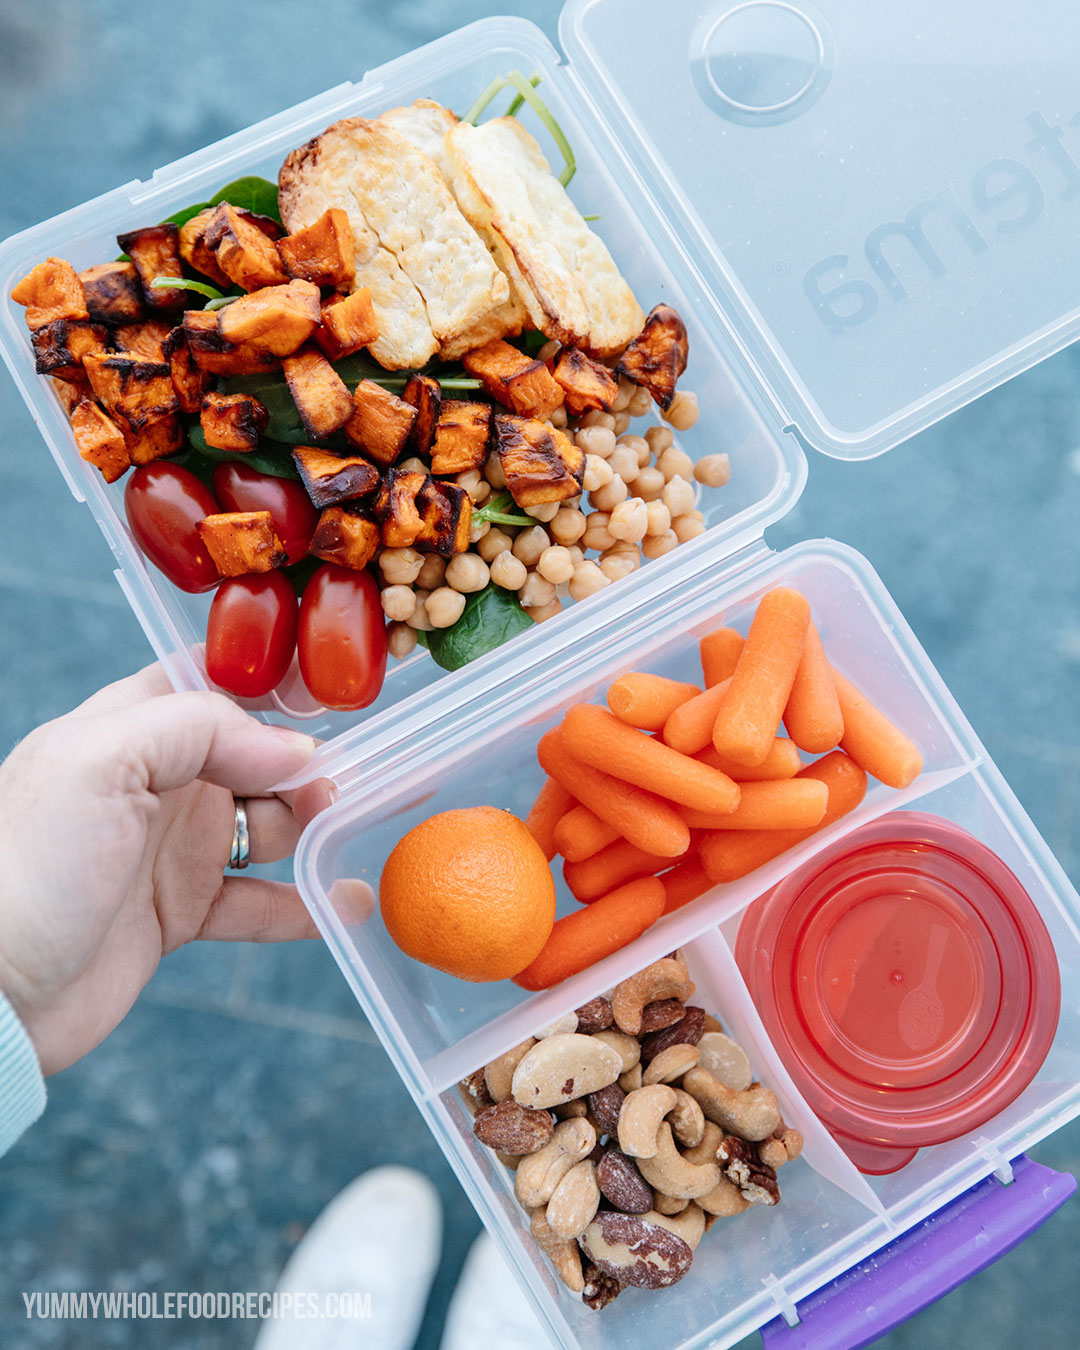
(113,293)
(541,463)
(155,439)
(424,393)
(586,384)
(138,391)
(146,339)
(446,515)
(247,256)
(211,352)
(320,394)
(322,252)
(462,437)
(348,323)
(50,291)
(188,380)
(72,391)
(657,356)
(60,346)
(380,423)
(342,536)
(519,382)
(155,251)
(330,479)
(232,421)
(397,507)
(100,440)
(276,319)
(241,542)
(197,253)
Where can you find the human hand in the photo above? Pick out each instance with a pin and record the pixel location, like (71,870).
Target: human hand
(116,824)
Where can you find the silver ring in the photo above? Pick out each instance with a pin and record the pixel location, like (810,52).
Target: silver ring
(240,855)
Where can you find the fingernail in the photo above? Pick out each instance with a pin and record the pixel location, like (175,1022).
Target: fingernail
(295,740)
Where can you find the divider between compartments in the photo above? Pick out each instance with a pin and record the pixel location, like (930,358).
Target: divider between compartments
(722,990)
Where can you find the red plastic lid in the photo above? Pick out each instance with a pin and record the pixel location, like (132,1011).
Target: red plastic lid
(909,983)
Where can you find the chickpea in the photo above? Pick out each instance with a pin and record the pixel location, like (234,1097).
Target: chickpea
(555,564)
(548,350)
(640,402)
(400,566)
(619,563)
(400,641)
(622,399)
(622,422)
(586,581)
(568,525)
(483,492)
(629,520)
(467,572)
(536,592)
(594,418)
(684,410)
(610,495)
(544,512)
(509,572)
(577,554)
(624,462)
(597,472)
(659,439)
(656,545)
(493,472)
(432,572)
(713,470)
(541,613)
(530,544)
(687,528)
(398,602)
(678,496)
(418,619)
(477,530)
(444,607)
(496,541)
(470,480)
(412,465)
(596,534)
(673,461)
(558,418)
(649,484)
(596,441)
(659,518)
(639,445)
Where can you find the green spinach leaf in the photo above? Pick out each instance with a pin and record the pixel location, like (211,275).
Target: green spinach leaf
(188,213)
(253,194)
(490,618)
(270,457)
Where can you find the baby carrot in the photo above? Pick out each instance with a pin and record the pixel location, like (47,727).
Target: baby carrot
(690,727)
(643,819)
(581,833)
(720,653)
(812,716)
(685,883)
(730,854)
(588,935)
(550,806)
(591,734)
(782,761)
(873,741)
(612,866)
(792,804)
(647,701)
(751,710)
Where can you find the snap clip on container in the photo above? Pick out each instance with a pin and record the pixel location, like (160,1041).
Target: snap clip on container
(862,223)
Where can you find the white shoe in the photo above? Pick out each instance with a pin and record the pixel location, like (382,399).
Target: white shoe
(488,1307)
(381,1237)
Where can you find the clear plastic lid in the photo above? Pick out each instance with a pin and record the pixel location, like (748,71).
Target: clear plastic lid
(882,201)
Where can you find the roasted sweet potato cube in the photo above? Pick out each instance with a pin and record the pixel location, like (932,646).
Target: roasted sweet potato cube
(657,356)
(155,251)
(50,291)
(243,252)
(72,391)
(586,384)
(156,439)
(322,252)
(519,382)
(241,542)
(380,423)
(146,339)
(232,421)
(541,463)
(113,293)
(348,323)
(397,507)
(100,440)
(330,478)
(197,253)
(342,536)
(60,346)
(138,391)
(211,353)
(320,394)
(446,515)
(462,437)
(277,319)
(188,380)
(424,393)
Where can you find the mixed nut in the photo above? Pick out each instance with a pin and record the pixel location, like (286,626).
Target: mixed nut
(632,1125)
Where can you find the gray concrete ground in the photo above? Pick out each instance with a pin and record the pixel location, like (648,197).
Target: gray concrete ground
(196,1145)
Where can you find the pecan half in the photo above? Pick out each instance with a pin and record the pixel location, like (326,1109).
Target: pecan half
(600,1289)
(740,1163)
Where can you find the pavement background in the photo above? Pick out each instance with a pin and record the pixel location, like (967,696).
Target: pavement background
(196,1145)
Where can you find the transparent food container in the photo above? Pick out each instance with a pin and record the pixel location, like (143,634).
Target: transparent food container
(862,221)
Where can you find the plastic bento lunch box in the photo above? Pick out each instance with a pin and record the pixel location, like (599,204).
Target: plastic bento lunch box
(862,223)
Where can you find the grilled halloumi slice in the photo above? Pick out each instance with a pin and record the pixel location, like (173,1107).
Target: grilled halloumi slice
(571,287)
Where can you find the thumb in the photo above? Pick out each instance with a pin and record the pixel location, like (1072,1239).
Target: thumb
(168,742)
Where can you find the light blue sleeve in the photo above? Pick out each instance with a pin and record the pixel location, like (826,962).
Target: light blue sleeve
(22,1088)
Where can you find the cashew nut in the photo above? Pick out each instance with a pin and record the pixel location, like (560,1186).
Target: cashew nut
(752,1114)
(663,979)
(562,1067)
(499,1074)
(574,1201)
(564,1256)
(668,1204)
(689,1224)
(630,1081)
(669,1172)
(711,1137)
(640,1117)
(670,1064)
(627,1047)
(560,1027)
(539,1173)
(688,1121)
(724,1201)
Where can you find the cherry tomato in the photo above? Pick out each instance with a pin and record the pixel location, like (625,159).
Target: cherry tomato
(164,504)
(239,487)
(251,633)
(342,638)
